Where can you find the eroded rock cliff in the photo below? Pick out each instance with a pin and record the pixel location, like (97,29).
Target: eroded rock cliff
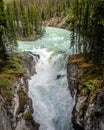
(88,112)
(16,113)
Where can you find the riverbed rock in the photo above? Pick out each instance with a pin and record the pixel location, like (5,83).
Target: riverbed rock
(29,63)
(17,114)
(88,112)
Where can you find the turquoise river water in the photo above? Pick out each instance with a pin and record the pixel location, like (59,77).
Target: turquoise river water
(48,88)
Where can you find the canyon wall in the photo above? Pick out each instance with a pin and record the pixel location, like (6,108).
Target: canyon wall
(88,112)
(17,114)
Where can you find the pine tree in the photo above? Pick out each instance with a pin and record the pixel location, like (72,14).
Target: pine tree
(3,53)
(10,30)
(7,34)
(16,16)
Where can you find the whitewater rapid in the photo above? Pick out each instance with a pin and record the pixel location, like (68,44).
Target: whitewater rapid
(48,88)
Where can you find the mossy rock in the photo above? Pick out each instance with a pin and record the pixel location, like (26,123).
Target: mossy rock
(4,82)
(13,67)
(8,95)
(27,116)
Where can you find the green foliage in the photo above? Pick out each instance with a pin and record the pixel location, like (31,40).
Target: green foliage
(87,19)
(16,70)
(2,15)
(92,82)
(4,82)
(15,67)
(12,68)
(24,17)
(2,29)
(84,91)
(7,34)
(27,116)
(88,88)
(9,95)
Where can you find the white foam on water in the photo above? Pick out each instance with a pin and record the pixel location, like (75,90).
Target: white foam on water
(48,89)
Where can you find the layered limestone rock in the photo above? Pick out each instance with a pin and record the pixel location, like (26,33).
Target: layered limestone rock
(17,114)
(88,112)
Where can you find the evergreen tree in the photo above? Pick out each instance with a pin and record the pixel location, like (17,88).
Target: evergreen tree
(7,33)
(16,16)
(3,53)
(86,21)
(10,29)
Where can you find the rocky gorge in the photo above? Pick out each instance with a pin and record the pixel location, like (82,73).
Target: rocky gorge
(16,114)
(88,112)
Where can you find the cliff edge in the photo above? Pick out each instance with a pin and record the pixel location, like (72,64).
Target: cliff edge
(15,105)
(86,87)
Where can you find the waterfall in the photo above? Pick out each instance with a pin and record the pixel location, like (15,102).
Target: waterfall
(48,88)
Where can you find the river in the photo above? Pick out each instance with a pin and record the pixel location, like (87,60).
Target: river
(48,88)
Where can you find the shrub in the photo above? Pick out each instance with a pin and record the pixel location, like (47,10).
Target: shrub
(88,88)
(27,116)
(4,82)
(9,95)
